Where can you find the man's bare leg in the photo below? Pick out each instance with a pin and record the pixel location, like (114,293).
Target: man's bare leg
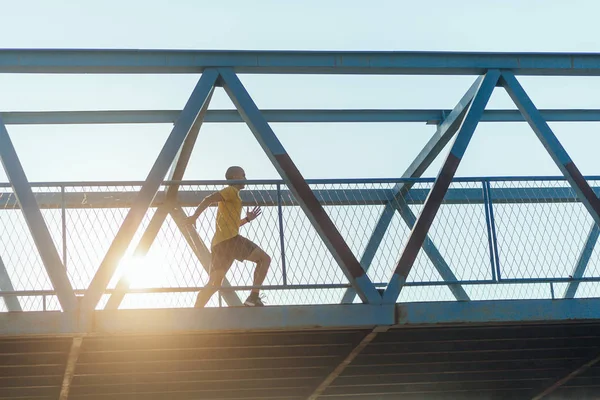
(263,262)
(214,282)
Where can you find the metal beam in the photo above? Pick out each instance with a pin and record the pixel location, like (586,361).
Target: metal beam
(119,61)
(148,237)
(590,362)
(159,170)
(35,222)
(582,261)
(337,371)
(440,186)
(159,321)
(332,316)
(433,117)
(185,320)
(70,367)
(12,302)
(202,253)
(296,183)
(558,153)
(158,219)
(328,197)
(432,149)
(434,255)
(497,311)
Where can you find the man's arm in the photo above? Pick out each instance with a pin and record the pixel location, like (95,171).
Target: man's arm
(204,204)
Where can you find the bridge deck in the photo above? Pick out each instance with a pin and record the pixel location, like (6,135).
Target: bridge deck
(367,352)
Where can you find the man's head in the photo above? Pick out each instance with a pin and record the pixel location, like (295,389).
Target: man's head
(235,174)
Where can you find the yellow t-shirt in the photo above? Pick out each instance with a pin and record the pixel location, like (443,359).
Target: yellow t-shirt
(228,215)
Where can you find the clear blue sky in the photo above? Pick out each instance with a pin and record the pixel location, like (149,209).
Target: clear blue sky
(337,150)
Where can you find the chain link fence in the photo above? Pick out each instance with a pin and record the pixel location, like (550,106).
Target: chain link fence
(497,238)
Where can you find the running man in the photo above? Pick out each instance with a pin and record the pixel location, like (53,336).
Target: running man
(227,244)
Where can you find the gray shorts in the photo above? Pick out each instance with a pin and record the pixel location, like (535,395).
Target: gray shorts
(224,253)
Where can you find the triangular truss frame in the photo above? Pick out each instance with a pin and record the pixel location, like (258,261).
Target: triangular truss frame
(473,113)
(175,155)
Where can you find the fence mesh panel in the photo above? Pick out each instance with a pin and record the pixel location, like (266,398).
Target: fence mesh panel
(508,242)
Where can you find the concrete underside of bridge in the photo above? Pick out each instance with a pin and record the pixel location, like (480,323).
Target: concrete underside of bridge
(474,350)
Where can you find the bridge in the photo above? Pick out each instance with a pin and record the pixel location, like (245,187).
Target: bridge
(407,287)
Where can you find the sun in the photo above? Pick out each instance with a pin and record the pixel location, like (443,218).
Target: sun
(142,272)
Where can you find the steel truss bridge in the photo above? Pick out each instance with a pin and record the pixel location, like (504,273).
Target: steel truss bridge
(408,287)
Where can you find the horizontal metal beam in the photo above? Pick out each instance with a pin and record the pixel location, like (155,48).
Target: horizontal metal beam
(282,116)
(332,316)
(329,197)
(495,311)
(295,62)
(181,320)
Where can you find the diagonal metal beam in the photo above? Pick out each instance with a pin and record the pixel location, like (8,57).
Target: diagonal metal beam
(12,302)
(70,367)
(337,371)
(434,254)
(432,149)
(440,186)
(202,253)
(35,222)
(140,252)
(158,219)
(165,159)
(553,146)
(582,261)
(315,212)
(590,362)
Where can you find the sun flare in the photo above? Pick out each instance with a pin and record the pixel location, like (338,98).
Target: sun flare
(142,272)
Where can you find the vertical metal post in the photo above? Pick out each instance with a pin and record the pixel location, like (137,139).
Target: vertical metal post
(64,225)
(44,304)
(488,223)
(552,290)
(440,187)
(281,235)
(493,226)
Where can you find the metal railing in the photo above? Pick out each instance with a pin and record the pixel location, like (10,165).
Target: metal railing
(501,238)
